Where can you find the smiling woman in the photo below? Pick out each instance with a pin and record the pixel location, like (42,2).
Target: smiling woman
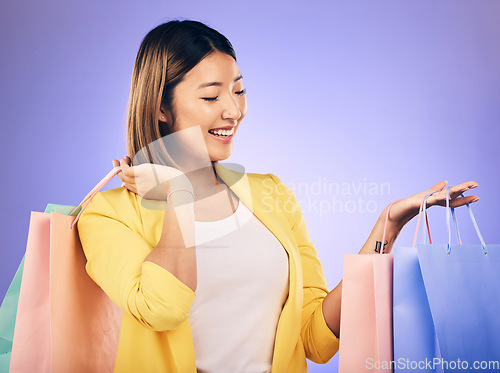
(166,68)
(212,273)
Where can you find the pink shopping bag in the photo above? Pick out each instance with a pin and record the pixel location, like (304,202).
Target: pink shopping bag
(366,316)
(65,322)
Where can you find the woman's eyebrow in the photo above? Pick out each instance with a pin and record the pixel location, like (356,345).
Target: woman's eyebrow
(210,84)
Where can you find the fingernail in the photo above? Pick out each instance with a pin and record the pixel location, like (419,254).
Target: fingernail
(475,199)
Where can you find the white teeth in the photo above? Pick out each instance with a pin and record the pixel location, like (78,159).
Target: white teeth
(223,132)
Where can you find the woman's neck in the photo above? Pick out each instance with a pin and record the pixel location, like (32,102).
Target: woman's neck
(205,181)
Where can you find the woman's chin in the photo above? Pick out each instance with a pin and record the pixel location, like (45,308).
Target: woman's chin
(217,159)
(220,155)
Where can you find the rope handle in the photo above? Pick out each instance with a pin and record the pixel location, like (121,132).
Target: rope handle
(476,227)
(448,223)
(115,171)
(385,225)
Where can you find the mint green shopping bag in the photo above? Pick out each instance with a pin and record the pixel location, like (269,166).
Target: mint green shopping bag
(8,312)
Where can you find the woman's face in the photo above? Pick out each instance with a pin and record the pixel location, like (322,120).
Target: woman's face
(211,96)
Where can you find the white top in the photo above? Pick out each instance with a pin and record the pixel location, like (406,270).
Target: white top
(242,286)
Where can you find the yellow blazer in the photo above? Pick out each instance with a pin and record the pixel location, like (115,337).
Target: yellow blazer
(117,233)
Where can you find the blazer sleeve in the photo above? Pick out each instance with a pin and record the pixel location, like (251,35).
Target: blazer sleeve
(320,343)
(115,261)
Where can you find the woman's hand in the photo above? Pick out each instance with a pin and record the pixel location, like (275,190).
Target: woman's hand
(404,210)
(151,181)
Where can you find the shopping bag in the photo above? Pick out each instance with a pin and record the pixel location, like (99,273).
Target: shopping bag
(462,283)
(8,312)
(431,325)
(415,344)
(366,317)
(64,322)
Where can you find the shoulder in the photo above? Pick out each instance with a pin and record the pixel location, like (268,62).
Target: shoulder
(115,197)
(111,213)
(272,182)
(270,189)
(117,203)
(234,173)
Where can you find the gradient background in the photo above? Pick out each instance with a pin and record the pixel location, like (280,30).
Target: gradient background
(358,93)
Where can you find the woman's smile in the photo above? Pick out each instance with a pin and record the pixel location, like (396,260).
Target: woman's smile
(224,134)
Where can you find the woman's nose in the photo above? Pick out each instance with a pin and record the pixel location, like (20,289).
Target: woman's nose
(231,109)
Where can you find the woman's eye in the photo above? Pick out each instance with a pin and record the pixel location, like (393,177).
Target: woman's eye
(212,99)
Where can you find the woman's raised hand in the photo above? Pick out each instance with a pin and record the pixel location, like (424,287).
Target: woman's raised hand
(151,181)
(404,210)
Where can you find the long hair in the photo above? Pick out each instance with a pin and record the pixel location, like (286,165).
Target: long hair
(166,55)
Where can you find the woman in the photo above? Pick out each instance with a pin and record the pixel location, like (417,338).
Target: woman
(193,252)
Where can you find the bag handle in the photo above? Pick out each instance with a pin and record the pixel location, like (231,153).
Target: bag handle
(385,225)
(423,209)
(115,171)
(474,222)
(448,225)
(456,224)
(448,247)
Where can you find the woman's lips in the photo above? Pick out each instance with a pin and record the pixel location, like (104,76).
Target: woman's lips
(222,139)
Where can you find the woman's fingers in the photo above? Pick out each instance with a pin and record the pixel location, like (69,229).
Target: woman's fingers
(454,193)
(457,190)
(127,174)
(438,186)
(461,201)
(127,171)
(120,174)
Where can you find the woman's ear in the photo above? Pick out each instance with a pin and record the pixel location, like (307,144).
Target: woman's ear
(164,115)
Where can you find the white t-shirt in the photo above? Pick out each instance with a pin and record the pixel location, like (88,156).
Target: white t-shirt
(242,284)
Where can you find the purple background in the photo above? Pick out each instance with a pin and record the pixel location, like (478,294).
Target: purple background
(390,95)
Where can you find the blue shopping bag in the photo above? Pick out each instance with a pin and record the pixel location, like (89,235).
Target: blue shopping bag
(433,330)
(415,341)
(462,286)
